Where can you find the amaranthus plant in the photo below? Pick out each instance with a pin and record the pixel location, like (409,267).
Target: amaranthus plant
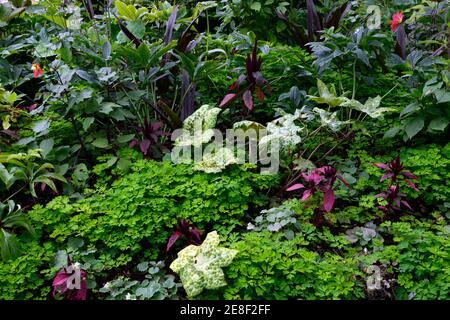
(252,81)
(320,179)
(394,170)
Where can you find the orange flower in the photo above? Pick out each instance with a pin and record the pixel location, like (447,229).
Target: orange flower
(397,18)
(37,70)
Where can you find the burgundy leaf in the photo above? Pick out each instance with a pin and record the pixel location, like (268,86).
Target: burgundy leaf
(409,175)
(170,25)
(128,33)
(400,46)
(295,187)
(227,99)
(406,204)
(343,181)
(173,238)
(260,94)
(306,195)
(411,184)
(133,143)
(248,99)
(196,233)
(386,176)
(72,286)
(381,166)
(314,25)
(328,200)
(144,146)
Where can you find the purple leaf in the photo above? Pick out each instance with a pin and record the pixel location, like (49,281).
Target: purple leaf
(381,166)
(409,175)
(89,8)
(196,233)
(411,184)
(133,143)
(260,94)
(334,17)
(170,25)
(188,96)
(144,146)
(248,99)
(173,238)
(386,176)
(306,194)
(406,204)
(227,99)
(328,200)
(128,33)
(400,46)
(63,282)
(314,25)
(192,44)
(295,187)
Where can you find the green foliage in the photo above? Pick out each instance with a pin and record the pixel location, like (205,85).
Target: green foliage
(419,258)
(22,167)
(270,267)
(157,285)
(23,278)
(429,163)
(11,218)
(140,209)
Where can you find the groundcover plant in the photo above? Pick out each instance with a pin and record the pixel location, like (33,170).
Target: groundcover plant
(239,149)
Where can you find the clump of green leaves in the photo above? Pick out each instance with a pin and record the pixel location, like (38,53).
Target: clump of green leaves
(157,285)
(11,217)
(141,208)
(269,266)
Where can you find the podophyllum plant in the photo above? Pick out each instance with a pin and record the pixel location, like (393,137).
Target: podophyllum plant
(320,179)
(394,170)
(247,84)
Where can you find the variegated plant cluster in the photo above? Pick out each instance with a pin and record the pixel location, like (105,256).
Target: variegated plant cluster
(328,95)
(200,267)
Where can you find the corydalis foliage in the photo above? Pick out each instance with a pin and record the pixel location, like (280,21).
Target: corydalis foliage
(276,219)
(199,267)
(157,285)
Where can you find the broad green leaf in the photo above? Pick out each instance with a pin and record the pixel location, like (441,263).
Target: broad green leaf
(414,126)
(438,124)
(46,146)
(101,143)
(255,6)
(87,123)
(326,95)
(392,132)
